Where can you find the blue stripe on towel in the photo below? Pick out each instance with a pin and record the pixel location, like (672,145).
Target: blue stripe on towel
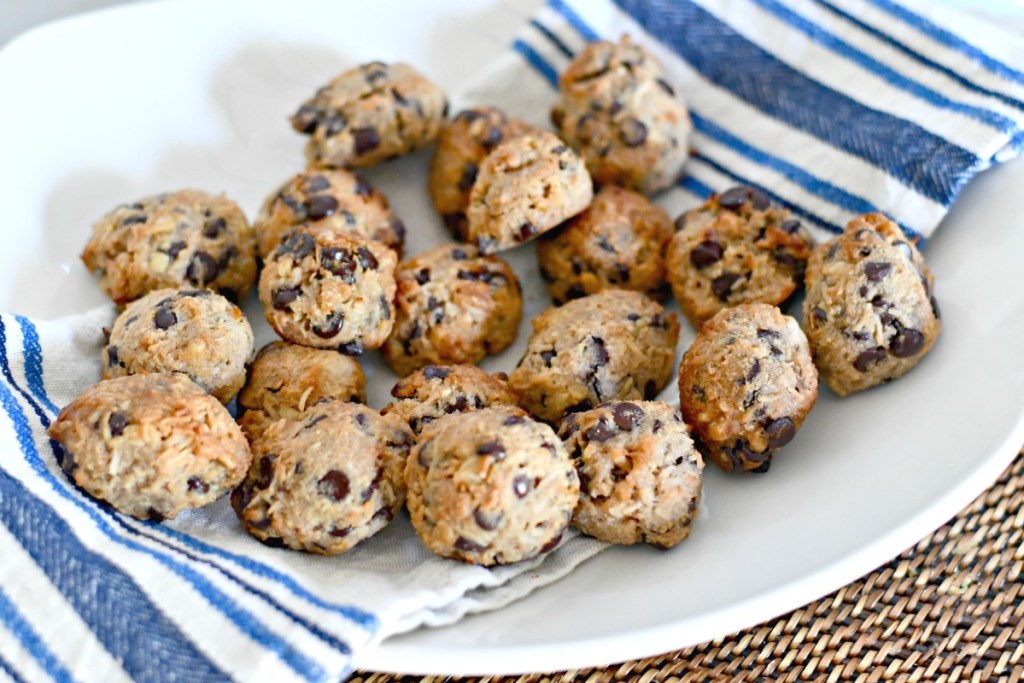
(8,669)
(243,619)
(832,42)
(589,34)
(923,161)
(550,35)
(36,382)
(536,61)
(30,640)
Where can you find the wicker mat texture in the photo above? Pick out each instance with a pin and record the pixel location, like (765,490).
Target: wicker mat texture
(951,608)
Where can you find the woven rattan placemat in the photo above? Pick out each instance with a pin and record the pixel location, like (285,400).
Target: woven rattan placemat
(949,609)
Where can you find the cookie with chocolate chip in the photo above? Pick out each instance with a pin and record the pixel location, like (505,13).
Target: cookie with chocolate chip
(462,145)
(616,108)
(746,384)
(330,290)
(870,312)
(524,187)
(640,475)
(615,345)
(151,445)
(327,198)
(490,487)
(432,392)
(454,305)
(285,379)
(369,114)
(737,248)
(195,332)
(181,239)
(325,481)
(618,242)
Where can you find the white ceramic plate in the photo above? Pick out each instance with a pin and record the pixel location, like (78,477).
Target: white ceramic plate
(106,107)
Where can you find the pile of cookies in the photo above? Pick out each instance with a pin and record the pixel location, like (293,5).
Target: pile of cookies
(492,468)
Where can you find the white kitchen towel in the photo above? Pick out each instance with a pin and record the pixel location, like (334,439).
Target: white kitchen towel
(833,107)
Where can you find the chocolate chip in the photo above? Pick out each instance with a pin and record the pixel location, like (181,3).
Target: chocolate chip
(550,545)
(491,138)
(487,521)
(788,261)
(627,416)
(459,255)
(304,120)
(117,423)
(600,432)
(214,227)
(665,86)
(521,485)
(366,139)
(423,276)
(790,226)
(315,183)
(780,431)
(650,390)
(334,485)
(722,285)
(868,358)
(340,533)
(575,292)
(197,484)
(623,272)
(399,229)
(906,343)
(585,404)
(132,220)
(467,546)
(819,314)
(469,172)
(164,318)
(339,261)
(112,358)
(298,244)
(632,132)
(706,253)
(313,422)
(154,515)
(733,198)
(202,268)
(754,370)
(436,372)
(600,352)
(514,420)
(615,107)
(657,426)
(281,298)
(321,206)
(935,307)
(831,253)
(173,249)
(875,271)
(330,326)
(460,406)
(557,117)
(366,259)
(493,449)
(526,231)
(352,348)
(334,123)
(759,199)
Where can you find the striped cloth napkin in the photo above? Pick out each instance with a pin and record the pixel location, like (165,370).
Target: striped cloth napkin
(833,107)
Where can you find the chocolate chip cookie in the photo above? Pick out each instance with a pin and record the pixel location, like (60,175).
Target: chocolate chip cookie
(870,313)
(618,242)
(524,187)
(462,145)
(453,305)
(432,392)
(490,487)
(615,345)
(327,198)
(330,290)
(151,445)
(369,114)
(626,121)
(326,480)
(285,379)
(640,475)
(746,384)
(736,248)
(192,331)
(181,239)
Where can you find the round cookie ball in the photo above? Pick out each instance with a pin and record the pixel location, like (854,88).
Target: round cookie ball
(615,345)
(370,114)
(330,290)
(525,187)
(453,305)
(327,198)
(182,239)
(625,120)
(326,480)
(192,331)
(432,392)
(462,145)
(746,384)
(869,313)
(640,474)
(151,445)
(285,379)
(490,487)
(618,242)
(736,248)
